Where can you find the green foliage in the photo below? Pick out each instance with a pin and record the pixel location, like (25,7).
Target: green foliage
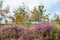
(1,25)
(26,24)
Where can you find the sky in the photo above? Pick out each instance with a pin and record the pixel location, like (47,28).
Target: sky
(51,6)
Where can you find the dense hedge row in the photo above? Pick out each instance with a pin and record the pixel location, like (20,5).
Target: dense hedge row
(39,32)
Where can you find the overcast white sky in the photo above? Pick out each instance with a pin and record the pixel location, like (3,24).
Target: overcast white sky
(52,6)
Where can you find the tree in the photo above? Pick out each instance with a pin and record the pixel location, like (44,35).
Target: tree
(41,12)
(0,4)
(3,12)
(37,14)
(56,20)
(20,16)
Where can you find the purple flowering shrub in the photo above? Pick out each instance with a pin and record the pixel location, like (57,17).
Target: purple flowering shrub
(39,32)
(43,28)
(44,31)
(11,32)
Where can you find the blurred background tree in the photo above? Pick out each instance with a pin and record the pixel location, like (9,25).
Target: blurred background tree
(20,16)
(4,13)
(56,20)
(39,15)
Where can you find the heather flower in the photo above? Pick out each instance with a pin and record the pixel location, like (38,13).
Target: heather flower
(22,33)
(43,27)
(9,31)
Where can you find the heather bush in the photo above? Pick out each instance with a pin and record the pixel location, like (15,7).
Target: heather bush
(38,32)
(44,31)
(57,34)
(11,32)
